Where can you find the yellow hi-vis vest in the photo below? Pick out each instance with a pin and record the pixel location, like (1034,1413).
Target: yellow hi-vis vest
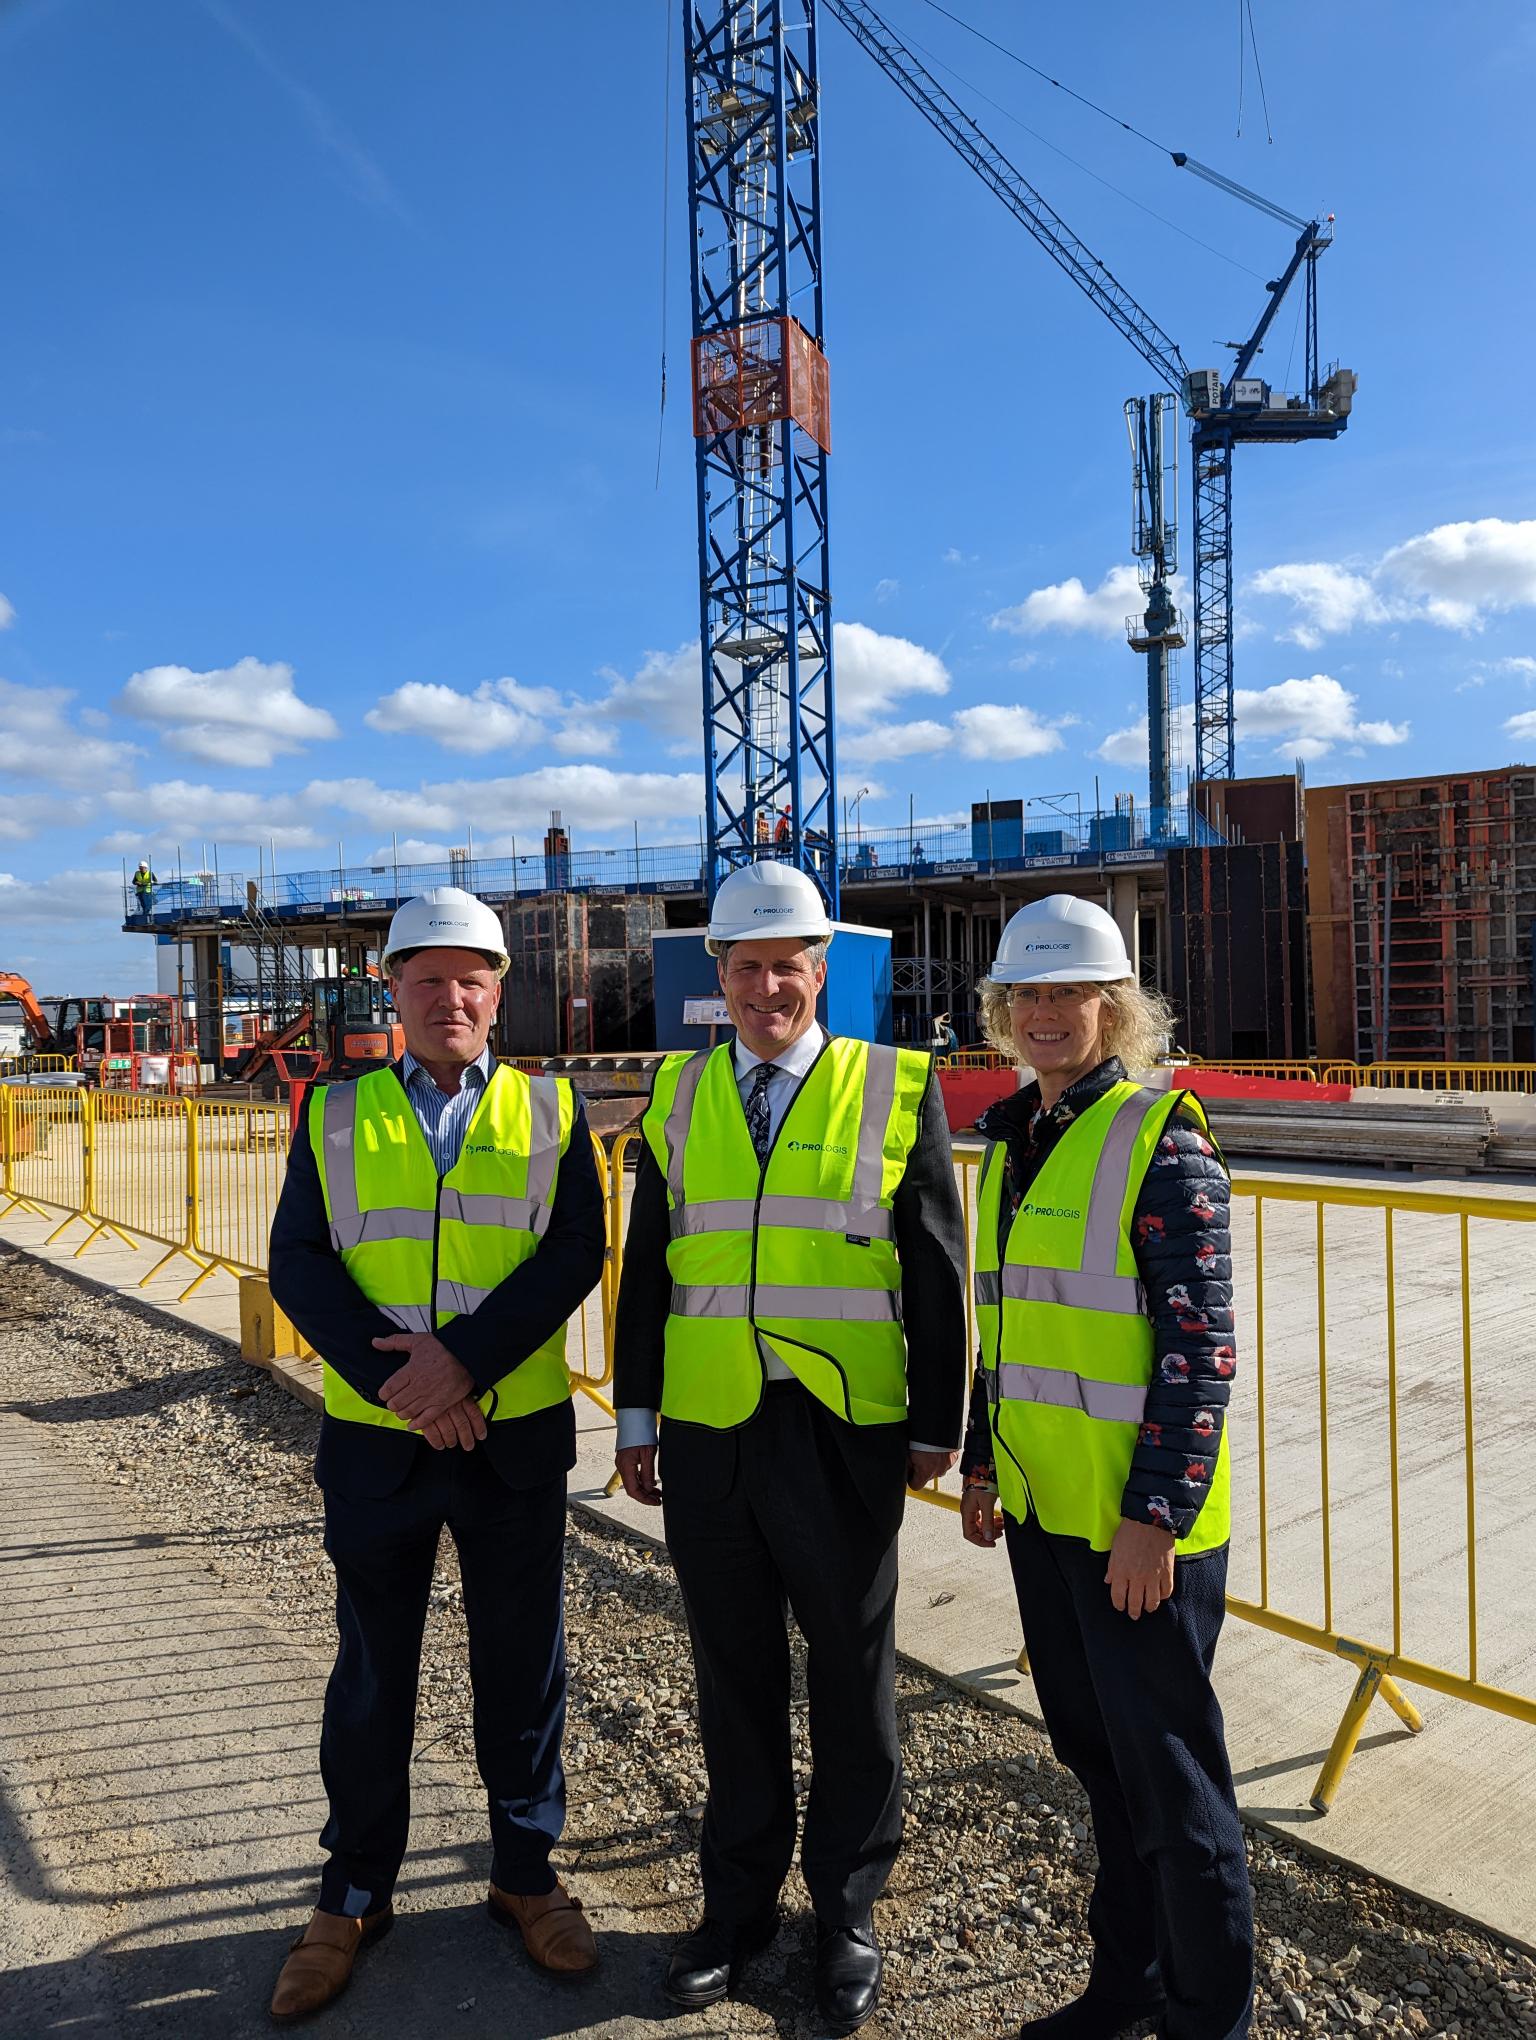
(426,1248)
(1065,1339)
(801,1251)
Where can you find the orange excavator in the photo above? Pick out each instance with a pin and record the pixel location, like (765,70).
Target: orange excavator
(343,1031)
(34,1019)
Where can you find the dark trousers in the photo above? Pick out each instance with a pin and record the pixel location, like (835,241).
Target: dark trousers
(1132,1714)
(787,1511)
(511,1550)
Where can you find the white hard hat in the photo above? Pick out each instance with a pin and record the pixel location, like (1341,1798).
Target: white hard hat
(769,898)
(445,918)
(1061,941)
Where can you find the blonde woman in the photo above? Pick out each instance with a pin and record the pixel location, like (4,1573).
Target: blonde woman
(1104,1306)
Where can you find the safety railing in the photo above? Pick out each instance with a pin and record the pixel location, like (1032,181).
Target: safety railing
(1356,1561)
(1280,1070)
(31,1062)
(1510,1077)
(1384,1394)
(974,1059)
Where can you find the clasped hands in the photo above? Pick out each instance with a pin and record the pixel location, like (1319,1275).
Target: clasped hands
(432,1393)
(1139,1573)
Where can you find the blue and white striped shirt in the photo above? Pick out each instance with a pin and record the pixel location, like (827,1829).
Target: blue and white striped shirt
(445,1120)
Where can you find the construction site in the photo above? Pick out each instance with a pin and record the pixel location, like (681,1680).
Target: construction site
(1350,966)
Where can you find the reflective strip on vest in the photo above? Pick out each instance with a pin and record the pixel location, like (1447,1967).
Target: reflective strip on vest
(460,1297)
(675,1132)
(410,1317)
(869,1162)
(513,1214)
(1120,1294)
(1101,1234)
(1117,1402)
(353,1227)
(815,1214)
(729,1300)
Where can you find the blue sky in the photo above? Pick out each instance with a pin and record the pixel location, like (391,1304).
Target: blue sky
(329,394)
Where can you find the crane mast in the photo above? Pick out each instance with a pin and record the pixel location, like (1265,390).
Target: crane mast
(762,433)
(1152,423)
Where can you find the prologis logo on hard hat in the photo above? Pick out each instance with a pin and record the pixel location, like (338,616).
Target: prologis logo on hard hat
(1031,948)
(459,923)
(759,911)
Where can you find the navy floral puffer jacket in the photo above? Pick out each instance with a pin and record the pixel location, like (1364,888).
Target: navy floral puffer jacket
(1183,1240)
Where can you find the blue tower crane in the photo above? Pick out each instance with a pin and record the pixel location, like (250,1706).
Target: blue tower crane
(762,434)
(1224,410)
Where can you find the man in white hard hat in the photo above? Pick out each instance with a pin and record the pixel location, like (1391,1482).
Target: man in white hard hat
(792,1302)
(1098,1419)
(439,1223)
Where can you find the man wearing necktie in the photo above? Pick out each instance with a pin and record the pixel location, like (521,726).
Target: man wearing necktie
(793,1304)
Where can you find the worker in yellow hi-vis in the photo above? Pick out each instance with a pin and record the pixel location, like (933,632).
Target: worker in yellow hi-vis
(1104,1310)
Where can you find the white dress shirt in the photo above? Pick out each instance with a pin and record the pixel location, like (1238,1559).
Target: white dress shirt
(790,1066)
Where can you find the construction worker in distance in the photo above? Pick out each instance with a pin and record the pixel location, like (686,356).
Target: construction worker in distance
(784,829)
(144,883)
(440,1221)
(1104,1312)
(793,1303)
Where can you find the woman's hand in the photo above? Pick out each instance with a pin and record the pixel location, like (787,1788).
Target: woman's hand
(1140,1575)
(980,1522)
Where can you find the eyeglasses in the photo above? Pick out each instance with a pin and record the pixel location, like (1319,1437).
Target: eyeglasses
(1051,995)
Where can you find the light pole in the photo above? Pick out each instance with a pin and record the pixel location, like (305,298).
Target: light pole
(858,829)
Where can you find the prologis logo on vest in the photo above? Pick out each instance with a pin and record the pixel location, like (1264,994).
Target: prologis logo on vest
(815,1147)
(482,1147)
(1050,1210)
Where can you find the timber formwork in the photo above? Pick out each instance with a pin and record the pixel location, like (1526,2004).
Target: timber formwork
(1424,940)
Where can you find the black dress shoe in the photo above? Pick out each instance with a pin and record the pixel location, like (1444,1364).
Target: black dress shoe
(847,1975)
(706,1964)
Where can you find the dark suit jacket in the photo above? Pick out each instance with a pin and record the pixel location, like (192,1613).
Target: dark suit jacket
(311,1285)
(930,1240)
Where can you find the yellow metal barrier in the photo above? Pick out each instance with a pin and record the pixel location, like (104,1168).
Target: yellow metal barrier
(1512,1077)
(237,1158)
(974,1059)
(1277,1072)
(203,1178)
(31,1062)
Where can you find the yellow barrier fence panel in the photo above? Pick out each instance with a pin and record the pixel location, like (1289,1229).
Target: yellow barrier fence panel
(236,1164)
(139,1144)
(1395,1346)
(583,1376)
(47,1151)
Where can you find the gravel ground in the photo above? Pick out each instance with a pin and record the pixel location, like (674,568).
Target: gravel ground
(984,1924)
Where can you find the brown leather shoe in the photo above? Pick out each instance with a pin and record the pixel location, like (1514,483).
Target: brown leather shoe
(553,1927)
(319,1965)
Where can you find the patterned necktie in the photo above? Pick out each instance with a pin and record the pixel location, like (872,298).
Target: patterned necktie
(757,1109)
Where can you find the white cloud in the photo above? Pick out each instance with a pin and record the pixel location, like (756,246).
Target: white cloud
(1326,598)
(62,896)
(881,742)
(38,741)
(874,669)
(1470,684)
(667,694)
(1522,727)
(175,811)
(246,714)
(593,798)
(885,590)
(996,730)
(1462,572)
(23,814)
(1128,745)
(586,735)
(7,614)
(1525,667)
(1308,717)
(496,716)
(1069,606)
